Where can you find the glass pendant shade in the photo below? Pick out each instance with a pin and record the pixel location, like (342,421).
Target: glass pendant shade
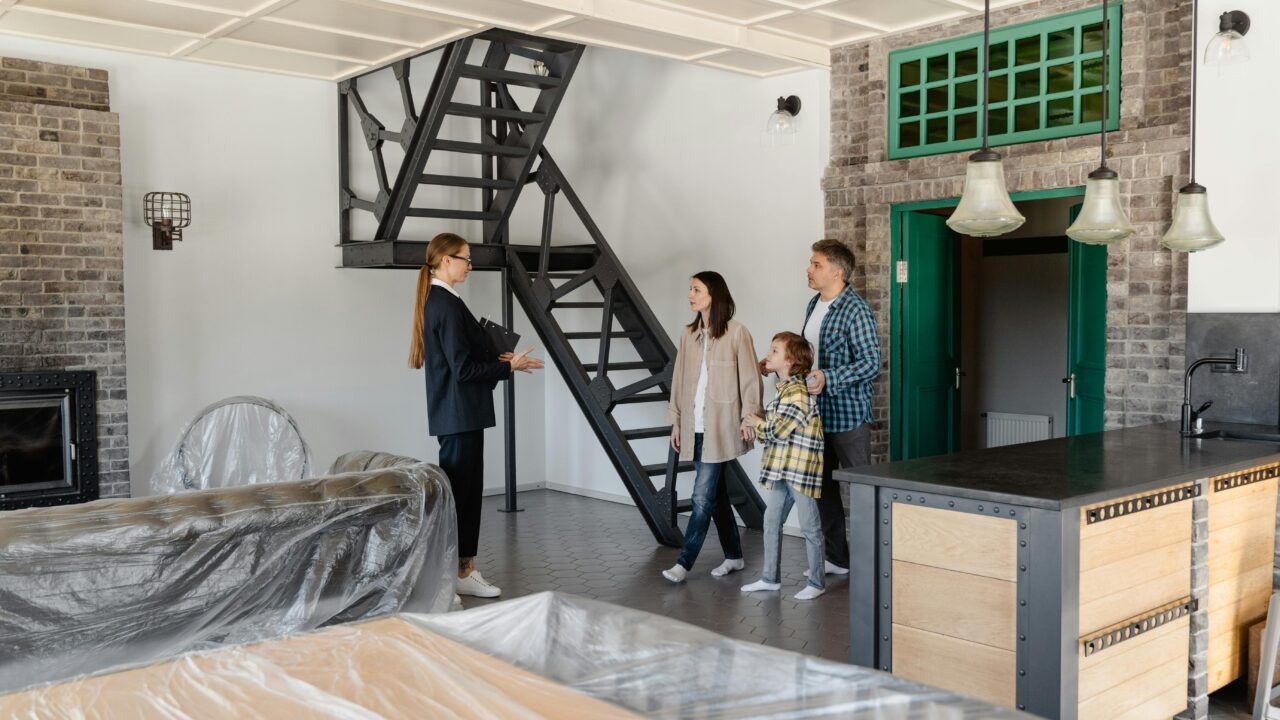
(780,128)
(1226,48)
(985,209)
(1102,220)
(1192,229)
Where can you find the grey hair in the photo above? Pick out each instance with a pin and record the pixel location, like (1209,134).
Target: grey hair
(838,254)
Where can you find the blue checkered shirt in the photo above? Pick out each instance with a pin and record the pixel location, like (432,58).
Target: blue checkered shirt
(849,358)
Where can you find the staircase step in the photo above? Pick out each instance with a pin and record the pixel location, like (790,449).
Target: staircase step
(556,275)
(650,432)
(464,181)
(597,335)
(661,468)
(578,305)
(644,398)
(592,367)
(507,77)
(480,148)
(686,505)
(493,113)
(454,214)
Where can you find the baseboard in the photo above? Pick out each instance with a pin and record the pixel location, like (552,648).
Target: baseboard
(520,487)
(626,500)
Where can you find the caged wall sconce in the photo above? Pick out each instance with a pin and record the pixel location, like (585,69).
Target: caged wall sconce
(166,213)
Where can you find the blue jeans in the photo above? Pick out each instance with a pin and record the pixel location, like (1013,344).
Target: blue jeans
(710,501)
(780,498)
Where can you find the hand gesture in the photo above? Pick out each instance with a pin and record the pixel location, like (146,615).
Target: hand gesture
(815,382)
(763,370)
(748,427)
(521,362)
(675,438)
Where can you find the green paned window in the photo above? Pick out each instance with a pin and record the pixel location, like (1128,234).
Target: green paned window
(1046,79)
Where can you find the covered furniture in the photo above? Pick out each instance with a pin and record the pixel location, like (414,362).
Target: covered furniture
(541,656)
(88,587)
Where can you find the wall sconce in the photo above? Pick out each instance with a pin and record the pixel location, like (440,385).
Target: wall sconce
(782,126)
(166,213)
(1227,46)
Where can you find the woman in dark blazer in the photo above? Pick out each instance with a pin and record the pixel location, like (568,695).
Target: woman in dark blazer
(462,369)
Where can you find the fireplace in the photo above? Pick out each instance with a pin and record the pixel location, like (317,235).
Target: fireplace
(48,439)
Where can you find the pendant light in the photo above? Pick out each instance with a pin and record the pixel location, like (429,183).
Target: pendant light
(1192,229)
(985,209)
(1102,220)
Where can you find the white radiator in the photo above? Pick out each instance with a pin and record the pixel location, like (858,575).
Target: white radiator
(1012,428)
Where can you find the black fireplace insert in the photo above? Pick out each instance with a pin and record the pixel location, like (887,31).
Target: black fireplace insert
(48,439)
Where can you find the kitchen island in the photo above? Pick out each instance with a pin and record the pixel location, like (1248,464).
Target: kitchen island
(1057,577)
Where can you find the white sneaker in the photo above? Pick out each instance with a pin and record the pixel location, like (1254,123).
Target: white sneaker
(809,592)
(831,569)
(676,573)
(761,585)
(476,586)
(727,567)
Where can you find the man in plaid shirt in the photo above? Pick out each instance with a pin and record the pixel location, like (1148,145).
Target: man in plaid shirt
(842,329)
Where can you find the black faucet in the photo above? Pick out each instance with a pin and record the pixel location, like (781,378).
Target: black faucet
(1239,364)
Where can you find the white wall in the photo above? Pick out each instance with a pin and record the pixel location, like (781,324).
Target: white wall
(668,159)
(1238,150)
(251,302)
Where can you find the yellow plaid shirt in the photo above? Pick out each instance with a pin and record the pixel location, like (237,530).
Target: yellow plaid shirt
(792,436)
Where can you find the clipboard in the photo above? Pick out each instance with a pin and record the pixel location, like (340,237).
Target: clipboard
(503,340)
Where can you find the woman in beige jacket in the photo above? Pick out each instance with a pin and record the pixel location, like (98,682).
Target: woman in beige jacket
(715,385)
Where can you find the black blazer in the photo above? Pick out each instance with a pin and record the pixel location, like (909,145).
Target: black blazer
(462,367)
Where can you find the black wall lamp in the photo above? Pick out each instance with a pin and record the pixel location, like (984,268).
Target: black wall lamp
(782,126)
(166,213)
(1227,46)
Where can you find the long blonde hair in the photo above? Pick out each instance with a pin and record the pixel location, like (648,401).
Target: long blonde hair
(440,247)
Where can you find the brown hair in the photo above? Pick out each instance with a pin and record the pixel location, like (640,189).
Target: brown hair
(838,254)
(722,307)
(798,351)
(440,247)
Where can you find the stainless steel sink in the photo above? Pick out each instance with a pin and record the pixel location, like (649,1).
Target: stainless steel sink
(1246,436)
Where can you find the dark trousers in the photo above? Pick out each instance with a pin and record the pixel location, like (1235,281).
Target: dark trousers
(710,502)
(462,460)
(845,450)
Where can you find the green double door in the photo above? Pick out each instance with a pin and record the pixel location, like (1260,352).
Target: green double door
(930,374)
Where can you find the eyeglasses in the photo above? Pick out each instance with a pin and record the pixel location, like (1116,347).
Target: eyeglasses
(463,258)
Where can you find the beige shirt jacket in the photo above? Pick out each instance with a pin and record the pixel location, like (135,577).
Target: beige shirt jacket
(734,391)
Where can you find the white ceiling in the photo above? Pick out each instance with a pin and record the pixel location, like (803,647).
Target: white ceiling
(335,39)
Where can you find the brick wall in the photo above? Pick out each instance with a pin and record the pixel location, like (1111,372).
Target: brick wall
(1147,286)
(62,245)
(51,84)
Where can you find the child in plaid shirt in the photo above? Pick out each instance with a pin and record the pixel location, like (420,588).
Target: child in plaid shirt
(791,432)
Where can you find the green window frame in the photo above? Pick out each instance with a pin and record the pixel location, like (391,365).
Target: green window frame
(1045,84)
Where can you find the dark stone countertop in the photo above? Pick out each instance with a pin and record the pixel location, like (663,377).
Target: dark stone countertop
(1074,471)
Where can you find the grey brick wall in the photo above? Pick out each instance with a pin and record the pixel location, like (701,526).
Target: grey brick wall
(62,247)
(53,84)
(1147,286)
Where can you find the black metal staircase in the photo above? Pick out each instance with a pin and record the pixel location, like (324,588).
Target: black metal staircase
(542,276)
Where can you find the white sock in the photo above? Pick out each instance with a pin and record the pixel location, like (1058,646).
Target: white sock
(761,585)
(809,592)
(727,567)
(834,569)
(676,573)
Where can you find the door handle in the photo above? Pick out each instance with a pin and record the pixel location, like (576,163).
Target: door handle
(1070,382)
(958,376)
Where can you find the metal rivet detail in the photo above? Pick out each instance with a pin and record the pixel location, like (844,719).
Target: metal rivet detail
(951,503)
(980,508)
(1022,672)
(1023,568)
(1022,603)
(1022,637)
(995,509)
(1021,543)
(895,496)
(908,498)
(1022,526)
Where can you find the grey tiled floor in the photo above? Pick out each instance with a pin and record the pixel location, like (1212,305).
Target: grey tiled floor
(604,550)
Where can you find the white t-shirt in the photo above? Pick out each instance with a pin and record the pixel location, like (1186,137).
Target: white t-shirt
(813,328)
(700,395)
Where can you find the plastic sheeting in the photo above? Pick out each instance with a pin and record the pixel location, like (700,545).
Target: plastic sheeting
(383,668)
(238,441)
(88,587)
(663,668)
(542,656)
